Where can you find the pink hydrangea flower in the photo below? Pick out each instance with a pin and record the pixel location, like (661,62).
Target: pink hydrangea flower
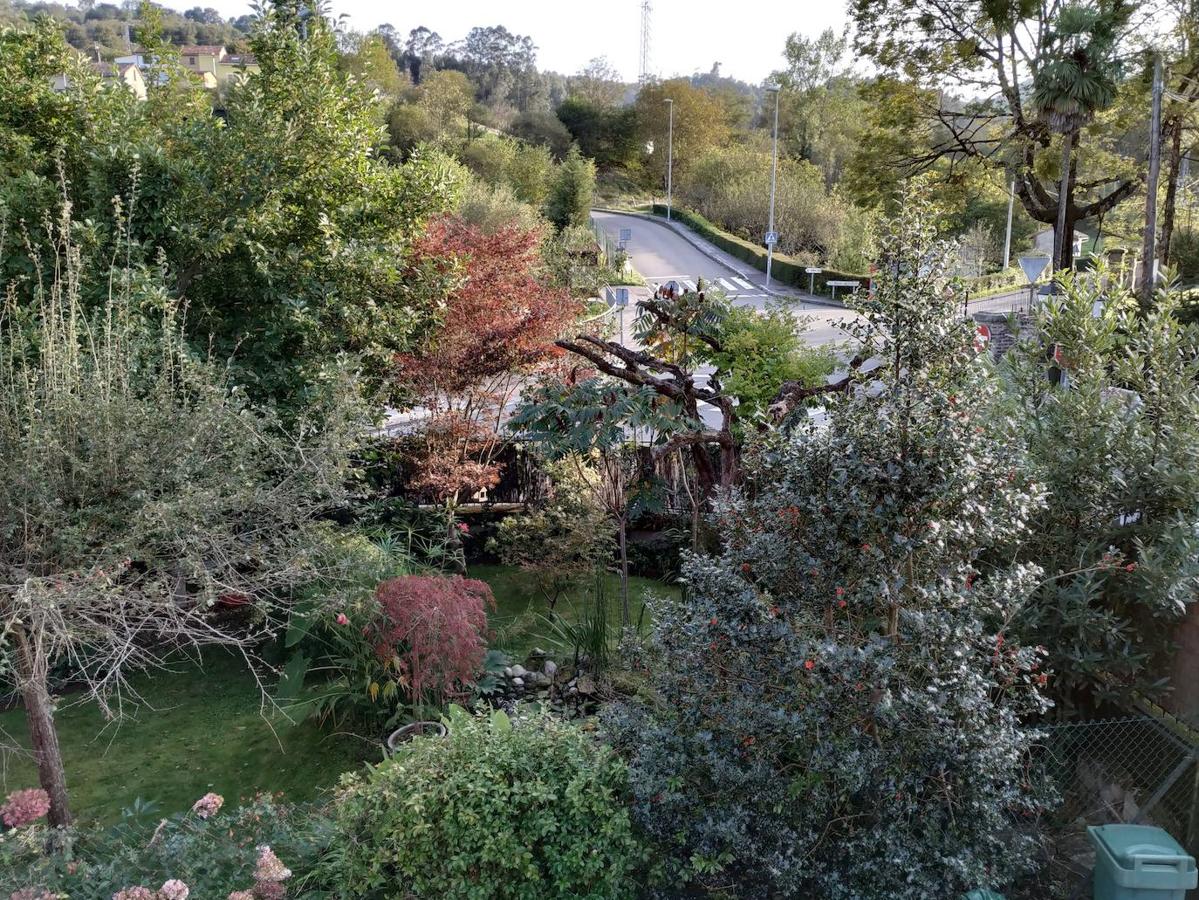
(31,894)
(208,805)
(136,892)
(242,895)
(270,867)
(174,889)
(270,890)
(24,807)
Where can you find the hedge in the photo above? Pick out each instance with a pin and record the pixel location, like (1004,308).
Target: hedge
(785,268)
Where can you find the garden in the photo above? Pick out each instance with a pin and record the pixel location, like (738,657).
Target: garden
(344,552)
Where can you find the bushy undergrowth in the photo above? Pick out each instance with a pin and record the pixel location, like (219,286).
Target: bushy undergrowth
(211,852)
(497,810)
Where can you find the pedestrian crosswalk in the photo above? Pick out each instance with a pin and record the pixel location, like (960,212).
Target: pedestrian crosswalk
(733,287)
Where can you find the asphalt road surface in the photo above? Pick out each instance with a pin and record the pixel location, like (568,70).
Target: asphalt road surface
(661,253)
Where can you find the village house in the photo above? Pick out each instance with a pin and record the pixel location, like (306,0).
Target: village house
(126,74)
(211,63)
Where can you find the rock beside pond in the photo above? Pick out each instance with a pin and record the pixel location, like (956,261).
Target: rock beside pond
(560,687)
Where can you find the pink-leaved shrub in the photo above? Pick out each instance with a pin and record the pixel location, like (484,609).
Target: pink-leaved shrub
(435,627)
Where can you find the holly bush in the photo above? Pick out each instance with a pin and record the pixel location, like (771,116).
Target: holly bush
(836,699)
(496,810)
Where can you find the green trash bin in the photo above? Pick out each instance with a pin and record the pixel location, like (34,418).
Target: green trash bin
(1140,862)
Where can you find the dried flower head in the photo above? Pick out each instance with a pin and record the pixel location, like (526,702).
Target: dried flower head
(269,890)
(269,867)
(136,892)
(208,805)
(24,807)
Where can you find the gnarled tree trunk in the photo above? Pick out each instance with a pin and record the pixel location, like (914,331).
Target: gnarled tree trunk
(1063,233)
(33,678)
(1170,202)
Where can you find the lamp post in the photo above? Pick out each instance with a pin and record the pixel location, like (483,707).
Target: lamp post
(669,157)
(774,171)
(1007,240)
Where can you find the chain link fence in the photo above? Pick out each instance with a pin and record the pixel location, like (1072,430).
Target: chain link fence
(1138,769)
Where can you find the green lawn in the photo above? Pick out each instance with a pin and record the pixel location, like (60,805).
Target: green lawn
(519,619)
(206,732)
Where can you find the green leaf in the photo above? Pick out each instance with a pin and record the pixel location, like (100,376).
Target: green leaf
(291,682)
(500,721)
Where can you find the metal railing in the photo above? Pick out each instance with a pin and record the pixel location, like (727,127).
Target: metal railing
(609,247)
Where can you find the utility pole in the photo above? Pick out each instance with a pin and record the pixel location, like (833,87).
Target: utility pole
(647,12)
(774,171)
(1148,251)
(1007,241)
(669,158)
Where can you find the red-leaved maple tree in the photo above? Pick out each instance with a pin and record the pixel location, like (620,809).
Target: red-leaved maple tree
(435,627)
(499,325)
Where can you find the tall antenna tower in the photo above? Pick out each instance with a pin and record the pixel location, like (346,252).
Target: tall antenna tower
(647,11)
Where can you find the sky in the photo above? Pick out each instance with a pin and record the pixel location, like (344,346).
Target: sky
(745,37)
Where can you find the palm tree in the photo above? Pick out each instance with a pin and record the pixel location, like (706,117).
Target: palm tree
(1075,80)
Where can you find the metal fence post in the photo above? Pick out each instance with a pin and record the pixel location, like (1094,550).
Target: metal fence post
(1192,836)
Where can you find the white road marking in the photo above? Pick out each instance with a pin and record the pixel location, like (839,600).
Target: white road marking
(727,285)
(743,283)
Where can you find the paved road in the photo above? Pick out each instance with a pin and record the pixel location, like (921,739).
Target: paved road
(663,253)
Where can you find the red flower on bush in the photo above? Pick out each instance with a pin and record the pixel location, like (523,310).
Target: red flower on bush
(809,664)
(343,619)
(436,627)
(1131,567)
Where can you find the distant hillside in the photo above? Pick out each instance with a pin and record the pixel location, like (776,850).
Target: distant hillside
(109,28)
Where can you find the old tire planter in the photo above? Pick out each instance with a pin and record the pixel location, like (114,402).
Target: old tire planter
(414,729)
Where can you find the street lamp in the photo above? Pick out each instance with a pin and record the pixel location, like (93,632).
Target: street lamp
(669,157)
(771,236)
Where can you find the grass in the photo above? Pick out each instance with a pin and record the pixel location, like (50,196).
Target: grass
(205,731)
(519,623)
